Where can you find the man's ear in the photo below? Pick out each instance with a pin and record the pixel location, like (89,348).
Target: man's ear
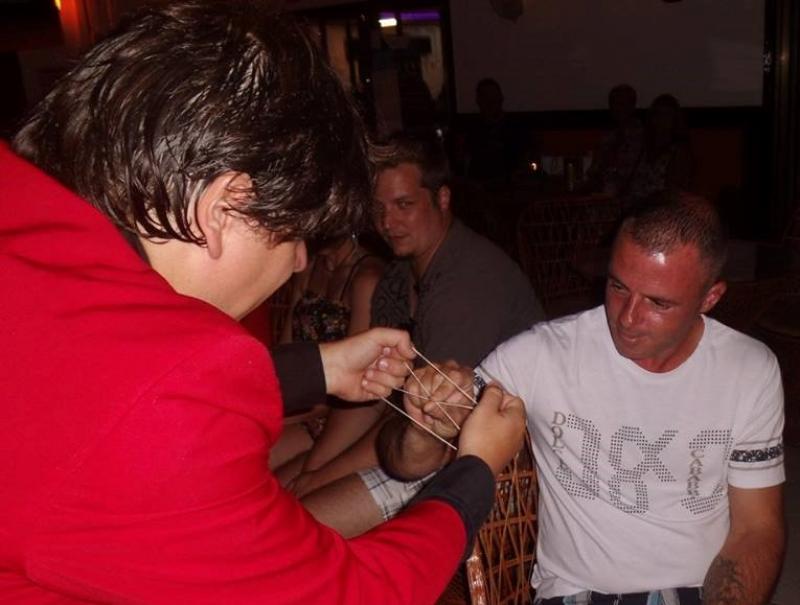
(212,209)
(443,198)
(712,296)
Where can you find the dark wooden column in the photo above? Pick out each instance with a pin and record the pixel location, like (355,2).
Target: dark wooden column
(782,101)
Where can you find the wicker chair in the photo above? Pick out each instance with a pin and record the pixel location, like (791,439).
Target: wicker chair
(551,235)
(499,569)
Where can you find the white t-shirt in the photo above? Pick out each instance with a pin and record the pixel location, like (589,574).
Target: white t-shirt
(634,465)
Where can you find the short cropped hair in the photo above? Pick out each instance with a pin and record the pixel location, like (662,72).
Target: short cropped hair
(680,129)
(485,83)
(623,91)
(186,91)
(425,152)
(676,219)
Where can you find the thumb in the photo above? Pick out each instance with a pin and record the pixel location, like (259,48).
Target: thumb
(492,399)
(511,404)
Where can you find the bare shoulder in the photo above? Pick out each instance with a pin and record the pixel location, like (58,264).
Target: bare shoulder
(369,271)
(366,278)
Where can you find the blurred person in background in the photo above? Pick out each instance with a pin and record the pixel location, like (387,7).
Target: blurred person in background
(614,161)
(665,163)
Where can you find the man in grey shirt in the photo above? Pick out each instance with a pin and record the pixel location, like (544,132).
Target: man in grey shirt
(456,292)
(464,299)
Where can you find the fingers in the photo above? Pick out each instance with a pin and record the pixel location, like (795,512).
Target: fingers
(433,395)
(493,396)
(441,378)
(437,397)
(512,404)
(391,365)
(495,430)
(394,343)
(346,363)
(386,373)
(497,401)
(451,384)
(377,388)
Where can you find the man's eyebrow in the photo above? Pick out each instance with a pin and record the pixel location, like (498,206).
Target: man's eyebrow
(662,300)
(613,277)
(658,299)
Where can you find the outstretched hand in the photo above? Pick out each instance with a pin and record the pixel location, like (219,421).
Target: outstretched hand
(495,430)
(366,366)
(439,403)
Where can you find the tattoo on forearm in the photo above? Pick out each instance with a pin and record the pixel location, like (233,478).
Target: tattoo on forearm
(723,584)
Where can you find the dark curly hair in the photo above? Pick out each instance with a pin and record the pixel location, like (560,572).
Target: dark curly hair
(184,92)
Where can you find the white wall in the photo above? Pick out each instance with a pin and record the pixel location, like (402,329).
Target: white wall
(566,54)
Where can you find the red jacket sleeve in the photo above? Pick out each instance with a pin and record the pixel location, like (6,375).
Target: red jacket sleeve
(176,504)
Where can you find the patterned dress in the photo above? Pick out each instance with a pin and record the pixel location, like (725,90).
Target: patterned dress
(316,318)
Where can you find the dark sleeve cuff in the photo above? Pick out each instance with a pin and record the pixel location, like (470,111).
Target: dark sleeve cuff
(302,379)
(468,485)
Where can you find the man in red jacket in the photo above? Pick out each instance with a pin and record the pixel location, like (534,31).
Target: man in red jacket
(136,415)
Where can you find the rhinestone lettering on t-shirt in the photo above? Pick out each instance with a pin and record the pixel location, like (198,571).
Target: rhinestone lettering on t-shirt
(693,501)
(627,485)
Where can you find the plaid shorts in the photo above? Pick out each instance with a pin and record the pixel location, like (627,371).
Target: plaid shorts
(667,596)
(390,494)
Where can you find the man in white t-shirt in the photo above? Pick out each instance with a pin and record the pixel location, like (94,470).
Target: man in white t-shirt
(656,430)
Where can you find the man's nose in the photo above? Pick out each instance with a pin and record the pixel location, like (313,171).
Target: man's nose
(387,219)
(629,315)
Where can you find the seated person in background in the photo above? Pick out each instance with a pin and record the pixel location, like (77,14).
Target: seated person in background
(614,162)
(162,190)
(494,143)
(456,292)
(656,430)
(665,163)
(329,300)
